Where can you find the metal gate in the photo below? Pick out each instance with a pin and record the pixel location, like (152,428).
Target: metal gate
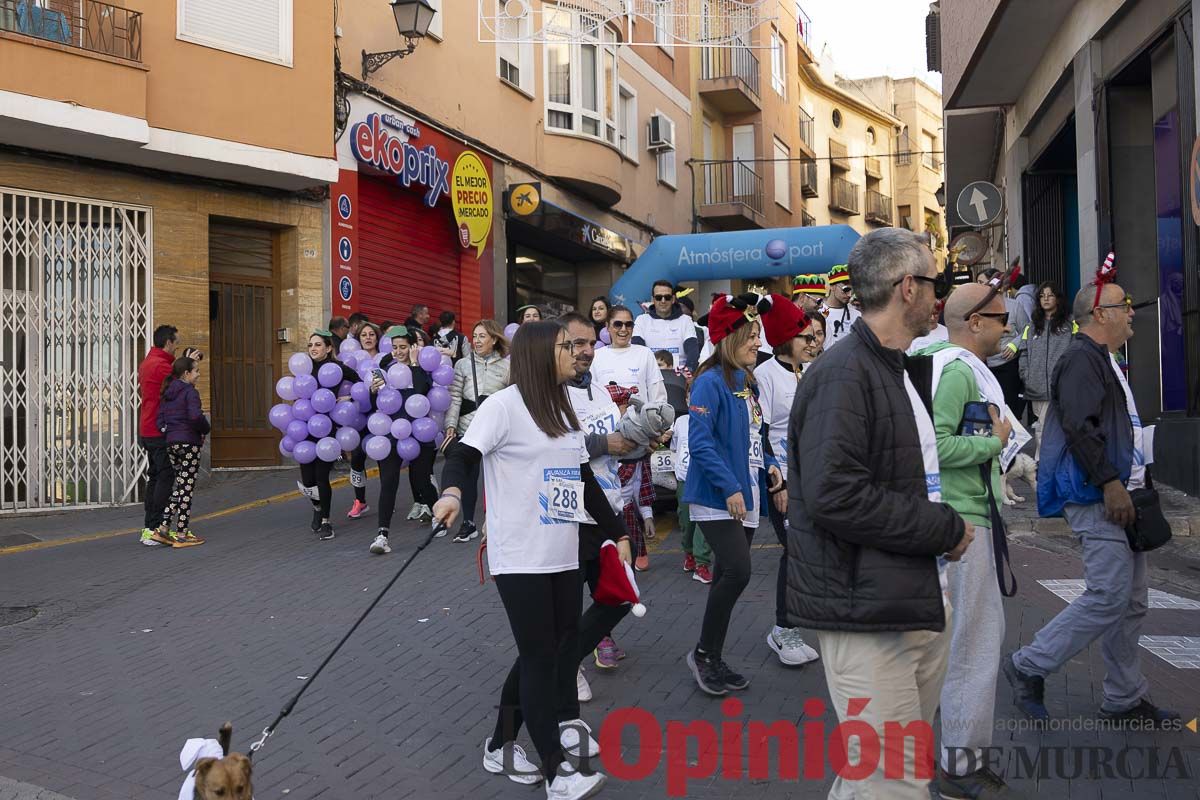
(75,310)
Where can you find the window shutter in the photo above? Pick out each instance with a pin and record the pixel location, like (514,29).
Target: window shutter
(256,28)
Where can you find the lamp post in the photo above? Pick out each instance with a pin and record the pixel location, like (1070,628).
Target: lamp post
(413,18)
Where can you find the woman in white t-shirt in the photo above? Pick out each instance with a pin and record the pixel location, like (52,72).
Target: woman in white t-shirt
(626,364)
(536,473)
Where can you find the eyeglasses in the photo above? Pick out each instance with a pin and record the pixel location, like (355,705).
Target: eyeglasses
(580,344)
(1127,303)
(941,283)
(807,337)
(567,346)
(663,297)
(619,324)
(846,288)
(1001,316)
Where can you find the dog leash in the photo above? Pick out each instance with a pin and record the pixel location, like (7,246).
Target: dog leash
(287,709)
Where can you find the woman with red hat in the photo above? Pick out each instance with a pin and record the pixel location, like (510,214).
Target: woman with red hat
(727,481)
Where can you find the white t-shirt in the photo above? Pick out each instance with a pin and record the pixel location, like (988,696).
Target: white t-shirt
(777,387)
(698,513)
(707,348)
(1137,475)
(598,414)
(665,334)
(628,367)
(938,334)
(679,445)
(519,463)
(838,323)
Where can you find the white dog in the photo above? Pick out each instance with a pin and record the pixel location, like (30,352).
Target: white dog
(1025,468)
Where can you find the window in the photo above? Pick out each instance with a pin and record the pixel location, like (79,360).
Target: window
(628,121)
(905,214)
(783,175)
(870,136)
(663,33)
(263,28)
(666,160)
(837,118)
(778,64)
(582,77)
(435,27)
(514,59)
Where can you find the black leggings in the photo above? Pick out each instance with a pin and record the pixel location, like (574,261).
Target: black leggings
(596,623)
(543,611)
(730,544)
(470,492)
(779,523)
(419,473)
(316,473)
(358,473)
(420,476)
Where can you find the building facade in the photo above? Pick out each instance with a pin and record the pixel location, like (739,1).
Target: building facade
(145,179)
(1085,115)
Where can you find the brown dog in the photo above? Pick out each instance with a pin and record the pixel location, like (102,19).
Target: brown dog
(225,778)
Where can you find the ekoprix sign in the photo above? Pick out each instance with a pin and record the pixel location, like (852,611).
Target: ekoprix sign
(734,254)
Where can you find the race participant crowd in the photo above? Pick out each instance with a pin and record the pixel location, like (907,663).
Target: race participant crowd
(865,415)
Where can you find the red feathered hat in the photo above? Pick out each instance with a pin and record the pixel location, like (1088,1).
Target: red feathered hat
(616,584)
(728,313)
(783,322)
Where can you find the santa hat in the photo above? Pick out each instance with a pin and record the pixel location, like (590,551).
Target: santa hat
(839,274)
(783,322)
(616,584)
(728,313)
(812,283)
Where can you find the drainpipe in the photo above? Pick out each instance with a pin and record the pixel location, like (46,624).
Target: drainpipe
(691,165)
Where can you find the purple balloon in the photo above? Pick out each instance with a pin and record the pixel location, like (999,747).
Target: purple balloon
(343,389)
(329,375)
(408,449)
(378,447)
(360,421)
(399,376)
(510,329)
(378,359)
(297,430)
(300,364)
(439,398)
(319,426)
(429,359)
(417,406)
(343,414)
(280,415)
(302,410)
(304,386)
(439,439)
(286,446)
(389,400)
(401,429)
(323,401)
(439,417)
(379,424)
(305,452)
(443,375)
(351,345)
(348,438)
(424,430)
(447,361)
(328,449)
(284,388)
(605,336)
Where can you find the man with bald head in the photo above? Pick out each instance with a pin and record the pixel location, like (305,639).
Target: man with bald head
(968,454)
(1091,457)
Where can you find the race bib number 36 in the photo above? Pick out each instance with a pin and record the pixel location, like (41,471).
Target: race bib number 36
(566,500)
(661,462)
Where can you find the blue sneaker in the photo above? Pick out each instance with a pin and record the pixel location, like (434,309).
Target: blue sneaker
(1029,691)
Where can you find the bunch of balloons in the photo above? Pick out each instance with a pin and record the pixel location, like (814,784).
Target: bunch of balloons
(311,410)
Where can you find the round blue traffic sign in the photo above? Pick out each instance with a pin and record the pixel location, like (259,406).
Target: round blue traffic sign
(344,248)
(345,288)
(344,207)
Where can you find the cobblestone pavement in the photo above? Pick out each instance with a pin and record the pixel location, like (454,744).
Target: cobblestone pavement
(134,649)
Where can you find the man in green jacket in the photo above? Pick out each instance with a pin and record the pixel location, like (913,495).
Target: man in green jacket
(976,327)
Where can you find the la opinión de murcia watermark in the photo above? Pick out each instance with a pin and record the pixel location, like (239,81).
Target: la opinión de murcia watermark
(736,749)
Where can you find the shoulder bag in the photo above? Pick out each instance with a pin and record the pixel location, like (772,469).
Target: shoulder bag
(1150,530)
(471,406)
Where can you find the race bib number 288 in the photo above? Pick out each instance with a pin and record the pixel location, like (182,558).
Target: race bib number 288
(566,500)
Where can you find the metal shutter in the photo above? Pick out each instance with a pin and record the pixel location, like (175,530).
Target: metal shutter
(408,253)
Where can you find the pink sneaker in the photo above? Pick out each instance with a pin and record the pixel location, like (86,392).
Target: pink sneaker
(617,651)
(702,574)
(606,658)
(689,563)
(358,509)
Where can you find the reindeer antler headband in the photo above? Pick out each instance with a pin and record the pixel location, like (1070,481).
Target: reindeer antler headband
(997,284)
(1104,276)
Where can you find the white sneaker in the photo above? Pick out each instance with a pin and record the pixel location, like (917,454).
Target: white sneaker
(380,546)
(415,512)
(425,515)
(518,769)
(571,785)
(581,687)
(789,645)
(575,737)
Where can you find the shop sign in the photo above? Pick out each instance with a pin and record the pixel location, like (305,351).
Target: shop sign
(525,198)
(603,238)
(472,201)
(372,143)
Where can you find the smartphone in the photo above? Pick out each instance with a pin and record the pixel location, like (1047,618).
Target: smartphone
(379,376)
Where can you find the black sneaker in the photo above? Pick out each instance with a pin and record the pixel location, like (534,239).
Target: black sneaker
(325,531)
(316,520)
(1029,691)
(707,672)
(1145,715)
(466,532)
(982,783)
(733,680)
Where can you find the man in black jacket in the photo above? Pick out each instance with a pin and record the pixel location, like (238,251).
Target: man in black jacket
(865,521)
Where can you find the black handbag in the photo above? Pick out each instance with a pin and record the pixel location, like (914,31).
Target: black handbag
(1150,530)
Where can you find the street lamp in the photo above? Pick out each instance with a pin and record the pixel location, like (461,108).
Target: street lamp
(413,18)
(940,195)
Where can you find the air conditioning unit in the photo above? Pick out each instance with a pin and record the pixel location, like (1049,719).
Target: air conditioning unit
(662,133)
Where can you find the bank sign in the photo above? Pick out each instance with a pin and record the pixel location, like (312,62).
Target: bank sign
(373,143)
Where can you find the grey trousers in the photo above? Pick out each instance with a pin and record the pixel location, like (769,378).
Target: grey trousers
(1112,609)
(976,643)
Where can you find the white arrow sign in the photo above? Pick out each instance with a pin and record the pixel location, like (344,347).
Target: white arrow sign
(979,201)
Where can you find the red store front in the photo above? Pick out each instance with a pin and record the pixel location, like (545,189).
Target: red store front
(410,221)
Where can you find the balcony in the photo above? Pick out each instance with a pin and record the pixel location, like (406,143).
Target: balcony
(82,24)
(807,220)
(879,208)
(931,161)
(808,179)
(874,168)
(731,195)
(808,132)
(839,158)
(729,79)
(904,158)
(843,196)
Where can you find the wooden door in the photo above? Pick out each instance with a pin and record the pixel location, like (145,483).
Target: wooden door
(243,317)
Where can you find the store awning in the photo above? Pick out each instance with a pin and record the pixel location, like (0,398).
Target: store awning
(569,236)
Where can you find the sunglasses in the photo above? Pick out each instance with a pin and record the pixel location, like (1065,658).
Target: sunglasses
(941,283)
(846,288)
(619,324)
(663,297)
(1001,316)
(1126,303)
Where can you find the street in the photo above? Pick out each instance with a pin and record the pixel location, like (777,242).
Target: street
(133,650)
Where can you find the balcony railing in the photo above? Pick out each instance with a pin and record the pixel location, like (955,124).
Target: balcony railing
(730,62)
(83,24)
(843,196)
(732,182)
(931,161)
(807,220)
(838,157)
(879,208)
(808,129)
(808,179)
(904,158)
(874,168)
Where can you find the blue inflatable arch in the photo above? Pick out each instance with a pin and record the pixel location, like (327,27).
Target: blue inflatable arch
(734,254)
